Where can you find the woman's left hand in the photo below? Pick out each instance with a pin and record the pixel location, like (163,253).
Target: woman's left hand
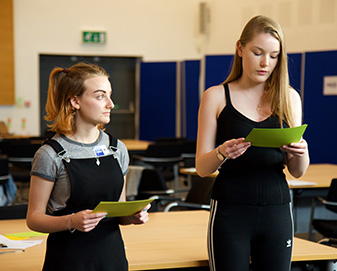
(141,217)
(296,149)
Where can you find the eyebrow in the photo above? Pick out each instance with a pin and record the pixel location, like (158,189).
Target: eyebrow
(101,90)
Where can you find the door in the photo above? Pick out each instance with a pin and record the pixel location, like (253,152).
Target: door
(123,74)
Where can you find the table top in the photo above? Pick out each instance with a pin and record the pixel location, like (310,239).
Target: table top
(319,175)
(168,240)
(135,144)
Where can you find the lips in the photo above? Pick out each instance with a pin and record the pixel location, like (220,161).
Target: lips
(261,72)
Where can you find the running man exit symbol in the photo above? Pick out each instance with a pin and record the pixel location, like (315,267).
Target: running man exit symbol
(94,37)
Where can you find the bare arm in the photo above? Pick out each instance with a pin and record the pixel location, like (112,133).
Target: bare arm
(38,220)
(297,154)
(207,162)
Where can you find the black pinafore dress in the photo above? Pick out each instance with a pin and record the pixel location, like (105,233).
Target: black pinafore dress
(101,249)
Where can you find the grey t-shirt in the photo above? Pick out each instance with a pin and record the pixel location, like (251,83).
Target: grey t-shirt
(48,165)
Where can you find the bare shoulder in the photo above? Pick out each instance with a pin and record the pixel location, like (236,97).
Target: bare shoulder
(214,94)
(296,104)
(294,96)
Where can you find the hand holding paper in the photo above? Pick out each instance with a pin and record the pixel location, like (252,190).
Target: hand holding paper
(123,208)
(275,137)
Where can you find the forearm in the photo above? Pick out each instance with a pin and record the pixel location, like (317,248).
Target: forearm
(207,163)
(297,165)
(47,223)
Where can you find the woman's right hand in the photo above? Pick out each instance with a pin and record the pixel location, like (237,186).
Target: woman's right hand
(234,148)
(85,221)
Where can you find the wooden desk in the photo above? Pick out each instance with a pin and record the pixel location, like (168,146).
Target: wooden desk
(320,174)
(136,145)
(169,240)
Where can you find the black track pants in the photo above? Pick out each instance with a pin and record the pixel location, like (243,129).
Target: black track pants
(238,233)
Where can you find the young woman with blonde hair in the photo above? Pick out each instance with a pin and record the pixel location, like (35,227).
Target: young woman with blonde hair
(250,216)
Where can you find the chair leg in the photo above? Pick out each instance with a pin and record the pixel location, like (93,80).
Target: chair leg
(310,234)
(176,179)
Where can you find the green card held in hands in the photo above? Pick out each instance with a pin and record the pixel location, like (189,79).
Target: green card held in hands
(275,137)
(123,208)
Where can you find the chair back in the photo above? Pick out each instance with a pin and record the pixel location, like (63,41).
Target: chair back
(151,180)
(4,171)
(21,152)
(200,191)
(189,148)
(13,212)
(332,195)
(20,156)
(164,150)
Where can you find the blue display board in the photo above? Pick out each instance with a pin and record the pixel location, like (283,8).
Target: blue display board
(295,70)
(157,100)
(320,111)
(217,68)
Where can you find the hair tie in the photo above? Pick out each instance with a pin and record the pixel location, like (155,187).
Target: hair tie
(65,70)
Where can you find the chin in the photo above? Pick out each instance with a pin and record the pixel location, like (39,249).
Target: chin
(105,121)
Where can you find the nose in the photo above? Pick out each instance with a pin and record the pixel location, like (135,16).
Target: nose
(110,104)
(264,61)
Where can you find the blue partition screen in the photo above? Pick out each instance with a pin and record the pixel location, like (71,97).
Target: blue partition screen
(217,68)
(295,70)
(157,116)
(320,111)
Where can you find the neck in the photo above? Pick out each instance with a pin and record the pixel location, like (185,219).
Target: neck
(85,137)
(245,85)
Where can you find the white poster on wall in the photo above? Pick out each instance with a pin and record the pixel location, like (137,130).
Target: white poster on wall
(330,85)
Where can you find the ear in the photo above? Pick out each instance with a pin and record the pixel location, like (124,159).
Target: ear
(74,102)
(239,48)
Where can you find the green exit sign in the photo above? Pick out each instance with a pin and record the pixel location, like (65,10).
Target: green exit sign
(93,37)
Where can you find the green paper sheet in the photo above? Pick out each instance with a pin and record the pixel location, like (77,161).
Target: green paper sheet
(124,208)
(23,235)
(275,138)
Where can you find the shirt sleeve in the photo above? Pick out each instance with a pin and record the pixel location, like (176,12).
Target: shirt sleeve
(123,157)
(44,164)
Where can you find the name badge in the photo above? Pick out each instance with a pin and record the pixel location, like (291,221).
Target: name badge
(101,150)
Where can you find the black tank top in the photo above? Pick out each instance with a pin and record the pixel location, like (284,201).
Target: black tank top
(256,177)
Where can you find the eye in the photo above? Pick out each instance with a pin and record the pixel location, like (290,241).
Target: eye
(257,53)
(274,56)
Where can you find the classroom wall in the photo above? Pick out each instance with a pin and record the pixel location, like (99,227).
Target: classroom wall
(157,30)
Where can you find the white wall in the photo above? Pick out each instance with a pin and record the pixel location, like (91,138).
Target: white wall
(157,30)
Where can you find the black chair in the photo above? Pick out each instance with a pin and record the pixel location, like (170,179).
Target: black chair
(4,174)
(198,197)
(189,148)
(152,183)
(20,156)
(326,227)
(165,157)
(13,212)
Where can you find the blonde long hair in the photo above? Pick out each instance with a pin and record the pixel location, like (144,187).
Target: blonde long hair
(63,85)
(277,85)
